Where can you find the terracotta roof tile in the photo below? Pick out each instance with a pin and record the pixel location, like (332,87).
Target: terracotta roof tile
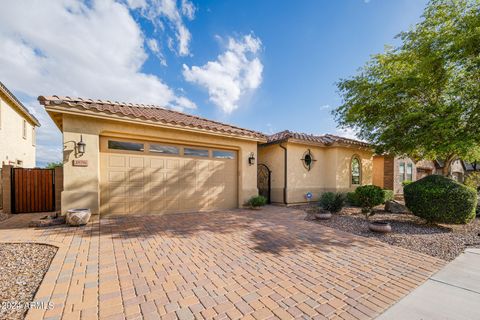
(326,139)
(148,112)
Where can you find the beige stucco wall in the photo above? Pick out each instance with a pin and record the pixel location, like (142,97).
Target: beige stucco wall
(82,185)
(13,146)
(330,171)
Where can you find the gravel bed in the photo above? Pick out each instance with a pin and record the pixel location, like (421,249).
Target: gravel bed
(408,231)
(22,268)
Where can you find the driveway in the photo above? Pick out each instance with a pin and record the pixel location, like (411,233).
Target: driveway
(224,265)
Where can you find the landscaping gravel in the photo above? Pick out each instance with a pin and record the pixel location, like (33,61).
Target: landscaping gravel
(408,231)
(22,268)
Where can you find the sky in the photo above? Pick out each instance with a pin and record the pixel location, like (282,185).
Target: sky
(264,65)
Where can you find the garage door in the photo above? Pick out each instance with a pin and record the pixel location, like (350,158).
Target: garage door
(147,177)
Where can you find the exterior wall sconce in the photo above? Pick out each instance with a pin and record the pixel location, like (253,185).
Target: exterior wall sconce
(251,159)
(81,146)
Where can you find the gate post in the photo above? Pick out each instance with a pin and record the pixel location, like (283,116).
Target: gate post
(7,188)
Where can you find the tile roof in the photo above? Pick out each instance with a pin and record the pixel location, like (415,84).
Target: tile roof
(18,104)
(326,139)
(148,112)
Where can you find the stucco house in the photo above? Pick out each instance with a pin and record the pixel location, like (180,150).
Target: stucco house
(389,172)
(130,158)
(304,164)
(17,131)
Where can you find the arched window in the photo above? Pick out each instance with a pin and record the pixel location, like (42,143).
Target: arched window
(356,171)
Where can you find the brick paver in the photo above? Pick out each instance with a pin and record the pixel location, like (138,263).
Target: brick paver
(235,264)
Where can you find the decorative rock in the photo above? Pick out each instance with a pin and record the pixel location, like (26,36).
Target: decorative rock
(78,217)
(393,206)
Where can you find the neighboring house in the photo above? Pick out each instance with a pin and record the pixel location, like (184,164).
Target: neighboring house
(390,172)
(302,164)
(17,131)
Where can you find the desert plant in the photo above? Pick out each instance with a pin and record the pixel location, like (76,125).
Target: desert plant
(368,197)
(388,195)
(332,202)
(351,199)
(257,201)
(437,198)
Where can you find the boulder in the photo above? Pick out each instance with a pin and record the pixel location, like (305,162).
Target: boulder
(393,206)
(78,217)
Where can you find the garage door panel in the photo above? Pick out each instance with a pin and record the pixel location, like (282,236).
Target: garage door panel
(166,183)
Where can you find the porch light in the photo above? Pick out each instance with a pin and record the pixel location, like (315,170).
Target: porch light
(251,159)
(81,145)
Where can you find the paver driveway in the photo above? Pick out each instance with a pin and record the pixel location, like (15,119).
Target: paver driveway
(235,264)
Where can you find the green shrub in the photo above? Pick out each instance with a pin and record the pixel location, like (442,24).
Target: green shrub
(257,201)
(368,197)
(472,180)
(352,200)
(406,182)
(332,202)
(387,195)
(439,199)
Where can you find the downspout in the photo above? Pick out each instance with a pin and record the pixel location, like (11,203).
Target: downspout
(284,174)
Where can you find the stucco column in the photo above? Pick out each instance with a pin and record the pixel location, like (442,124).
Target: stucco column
(248,173)
(81,172)
(6,181)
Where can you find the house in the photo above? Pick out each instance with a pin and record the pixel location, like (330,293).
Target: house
(131,158)
(302,165)
(390,172)
(17,131)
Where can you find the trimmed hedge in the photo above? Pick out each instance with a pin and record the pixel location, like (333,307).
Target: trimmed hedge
(332,202)
(352,199)
(257,201)
(387,195)
(439,199)
(369,196)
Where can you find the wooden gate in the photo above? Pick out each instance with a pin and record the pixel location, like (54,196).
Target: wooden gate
(33,190)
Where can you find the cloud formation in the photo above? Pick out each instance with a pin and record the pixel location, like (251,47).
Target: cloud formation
(234,73)
(67,47)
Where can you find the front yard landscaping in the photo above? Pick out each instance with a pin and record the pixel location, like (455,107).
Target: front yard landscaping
(444,241)
(22,268)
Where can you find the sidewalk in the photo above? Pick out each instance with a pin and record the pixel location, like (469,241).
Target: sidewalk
(451,293)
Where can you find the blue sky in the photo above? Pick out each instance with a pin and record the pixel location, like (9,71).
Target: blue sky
(264,65)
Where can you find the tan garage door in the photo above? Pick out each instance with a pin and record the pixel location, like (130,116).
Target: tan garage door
(148,177)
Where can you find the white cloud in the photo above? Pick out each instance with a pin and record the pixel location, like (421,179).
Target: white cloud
(347,133)
(325,107)
(235,72)
(155,48)
(160,11)
(70,48)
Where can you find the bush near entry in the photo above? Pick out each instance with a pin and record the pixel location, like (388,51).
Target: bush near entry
(369,196)
(332,202)
(439,199)
(257,201)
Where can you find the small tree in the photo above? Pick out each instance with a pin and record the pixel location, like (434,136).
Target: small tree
(53,165)
(420,99)
(369,197)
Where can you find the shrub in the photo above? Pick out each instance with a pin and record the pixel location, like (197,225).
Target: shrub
(472,180)
(257,201)
(406,182)
(439,199)
(387,195)
(332,202)
(352,200)
(368,197)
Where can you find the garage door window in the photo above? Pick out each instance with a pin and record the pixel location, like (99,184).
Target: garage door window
(123,145)
(158,148)
(195,152)
(223,154)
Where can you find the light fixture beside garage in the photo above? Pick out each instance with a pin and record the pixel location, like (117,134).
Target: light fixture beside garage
(251,159)
(81,146)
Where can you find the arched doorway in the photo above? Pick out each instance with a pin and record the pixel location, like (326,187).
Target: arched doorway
(263,181)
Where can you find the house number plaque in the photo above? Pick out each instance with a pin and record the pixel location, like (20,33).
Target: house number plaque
(80,163)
